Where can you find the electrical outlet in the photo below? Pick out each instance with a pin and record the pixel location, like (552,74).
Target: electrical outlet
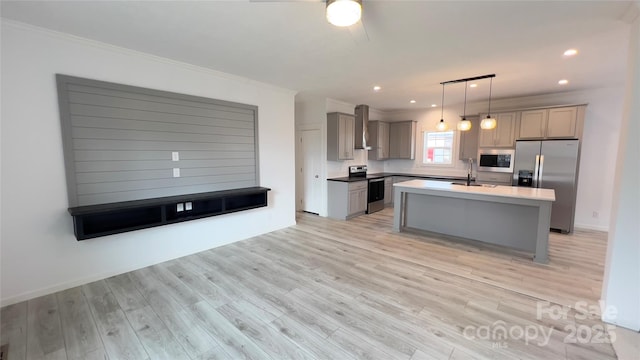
(595,214)
(179,207)
(188,206)
(175,156)
(176,172)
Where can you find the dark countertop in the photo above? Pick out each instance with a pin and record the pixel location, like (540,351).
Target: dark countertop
(386,174)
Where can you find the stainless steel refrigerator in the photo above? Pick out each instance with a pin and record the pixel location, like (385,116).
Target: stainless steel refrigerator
(550,164)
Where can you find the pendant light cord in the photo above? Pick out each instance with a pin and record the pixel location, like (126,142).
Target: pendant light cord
(490,86)
(464,111)
(442,105)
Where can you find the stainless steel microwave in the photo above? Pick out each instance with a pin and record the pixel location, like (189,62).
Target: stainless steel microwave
(496,160)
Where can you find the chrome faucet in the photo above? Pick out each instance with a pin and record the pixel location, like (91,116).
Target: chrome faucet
(469,172)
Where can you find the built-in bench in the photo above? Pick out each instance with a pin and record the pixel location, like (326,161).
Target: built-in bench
(105,219)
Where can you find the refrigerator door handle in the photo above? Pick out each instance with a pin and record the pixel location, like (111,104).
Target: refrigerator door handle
(535,172)
(541,170)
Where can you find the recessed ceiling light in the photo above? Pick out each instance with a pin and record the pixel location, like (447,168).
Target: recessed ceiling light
(412,101)
(433,105)
(571,52)
(563,82)
(376,88)
(473,85)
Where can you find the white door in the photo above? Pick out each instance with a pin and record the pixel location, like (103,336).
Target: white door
(310,168)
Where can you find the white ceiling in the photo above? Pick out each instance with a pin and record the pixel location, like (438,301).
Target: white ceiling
(412,46)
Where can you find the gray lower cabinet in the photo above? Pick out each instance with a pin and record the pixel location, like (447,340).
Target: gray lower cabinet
(495,178)
(347,200)
(388,190)
(402,140)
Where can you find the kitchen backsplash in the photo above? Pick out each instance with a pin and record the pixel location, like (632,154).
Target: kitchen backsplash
(341,168)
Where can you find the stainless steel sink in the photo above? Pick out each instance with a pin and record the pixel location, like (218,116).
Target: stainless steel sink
(465,184)
(473,184)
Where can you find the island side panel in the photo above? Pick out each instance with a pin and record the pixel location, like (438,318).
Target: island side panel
(542,242)
(398,208)
(511,225)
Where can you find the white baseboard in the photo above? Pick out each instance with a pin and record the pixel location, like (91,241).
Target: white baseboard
(592,227)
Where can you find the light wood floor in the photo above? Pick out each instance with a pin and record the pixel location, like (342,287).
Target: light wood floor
(325,289)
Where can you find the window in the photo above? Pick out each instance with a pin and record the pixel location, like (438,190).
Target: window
(438,148)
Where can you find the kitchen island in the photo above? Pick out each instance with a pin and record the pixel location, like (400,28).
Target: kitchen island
(516,217)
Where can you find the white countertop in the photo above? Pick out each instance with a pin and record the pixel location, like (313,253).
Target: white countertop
(499,191)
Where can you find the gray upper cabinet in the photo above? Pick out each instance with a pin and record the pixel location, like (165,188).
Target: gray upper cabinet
(402,140)
(503,135)
(533,124)
(561,122)
(379,140)
(340,136)
(469,140)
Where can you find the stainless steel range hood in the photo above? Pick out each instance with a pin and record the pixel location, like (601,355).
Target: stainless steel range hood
(362,129)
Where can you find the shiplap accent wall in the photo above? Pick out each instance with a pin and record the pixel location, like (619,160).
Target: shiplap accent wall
(125,143)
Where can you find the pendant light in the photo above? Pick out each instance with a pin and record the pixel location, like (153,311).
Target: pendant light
(442,126)
(464,125)
(489,122)
(344,12)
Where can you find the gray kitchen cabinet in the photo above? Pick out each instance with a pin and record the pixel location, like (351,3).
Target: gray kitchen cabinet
(388,190)
(402,140)
(379,140)
(563,122)
(340,136)
(346,199)
(357,198)
(549,123)
(484,177)
(503,135)
(533,124)
(469,140)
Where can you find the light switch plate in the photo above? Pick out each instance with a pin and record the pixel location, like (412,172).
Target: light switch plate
(175,156)
(188,206)
(176,172)
(180,207)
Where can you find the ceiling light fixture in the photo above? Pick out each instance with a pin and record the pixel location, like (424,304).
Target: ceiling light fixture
(376,88)
(571,52)
(434,105)
(473,85)
(442,126)
(412,101)
(563,82)
(344,12)
(489,122)
(465,125)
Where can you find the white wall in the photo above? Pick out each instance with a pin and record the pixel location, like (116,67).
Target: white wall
(39,252)
(621,285)
(603,118)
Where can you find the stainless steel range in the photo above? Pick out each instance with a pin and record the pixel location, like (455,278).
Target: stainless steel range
(358,171)
(375,194)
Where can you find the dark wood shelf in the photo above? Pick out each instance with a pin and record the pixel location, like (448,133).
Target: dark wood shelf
(105,219)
